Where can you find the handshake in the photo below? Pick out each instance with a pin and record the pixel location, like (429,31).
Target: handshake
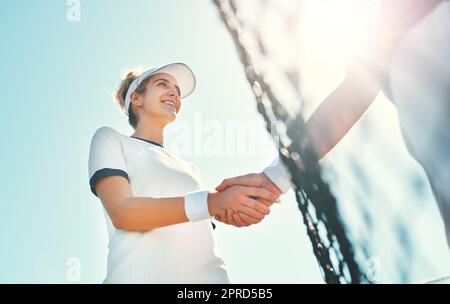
(243,200)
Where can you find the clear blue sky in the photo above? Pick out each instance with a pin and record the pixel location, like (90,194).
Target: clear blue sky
(57,78)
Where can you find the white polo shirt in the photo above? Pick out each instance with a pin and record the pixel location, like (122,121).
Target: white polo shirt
(182,253)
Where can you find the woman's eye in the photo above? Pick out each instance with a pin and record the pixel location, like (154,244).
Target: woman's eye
(163,84)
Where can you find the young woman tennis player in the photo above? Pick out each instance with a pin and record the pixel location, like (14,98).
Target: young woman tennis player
(159,221)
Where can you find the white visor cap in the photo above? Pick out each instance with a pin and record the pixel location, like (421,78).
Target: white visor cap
(181,72)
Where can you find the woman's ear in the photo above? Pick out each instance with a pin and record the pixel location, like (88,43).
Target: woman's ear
(135,99)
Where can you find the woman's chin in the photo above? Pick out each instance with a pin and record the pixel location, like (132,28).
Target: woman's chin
(170,116)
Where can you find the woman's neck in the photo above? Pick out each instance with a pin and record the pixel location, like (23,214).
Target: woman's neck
(150,131)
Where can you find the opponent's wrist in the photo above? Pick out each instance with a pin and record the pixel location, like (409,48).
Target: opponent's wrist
(278,175)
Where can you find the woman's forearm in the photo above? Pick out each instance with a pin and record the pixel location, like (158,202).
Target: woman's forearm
(145,213)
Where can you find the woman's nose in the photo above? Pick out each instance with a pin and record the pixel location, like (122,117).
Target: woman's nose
(173,92)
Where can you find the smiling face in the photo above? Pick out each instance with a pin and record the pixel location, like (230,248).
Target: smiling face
(161,100)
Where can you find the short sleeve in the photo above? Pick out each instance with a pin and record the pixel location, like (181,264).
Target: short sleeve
(106,156)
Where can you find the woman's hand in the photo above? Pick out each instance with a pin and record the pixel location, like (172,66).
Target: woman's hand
(259,180)
(234,219)
(242,200)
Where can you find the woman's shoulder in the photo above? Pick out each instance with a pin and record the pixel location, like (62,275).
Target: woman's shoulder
(106,130)
(107,133)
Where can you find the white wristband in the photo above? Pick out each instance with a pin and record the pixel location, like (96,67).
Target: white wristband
(196,206)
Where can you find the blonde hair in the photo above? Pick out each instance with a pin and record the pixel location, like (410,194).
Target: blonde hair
(120,94)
